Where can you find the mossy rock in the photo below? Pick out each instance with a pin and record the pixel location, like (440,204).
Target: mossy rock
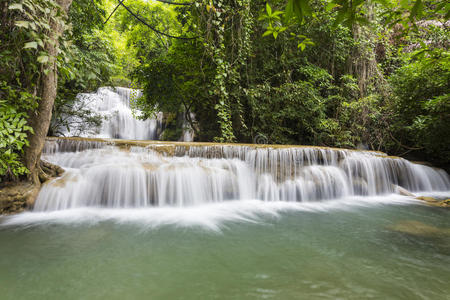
(434,202)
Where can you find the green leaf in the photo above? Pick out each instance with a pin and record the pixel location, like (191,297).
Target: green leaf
(330,6)
(268,9)
(42,59)
(416,10)
(30,45)
(23,24)
(268,32)
(306,9)
(404,3)
(16,6)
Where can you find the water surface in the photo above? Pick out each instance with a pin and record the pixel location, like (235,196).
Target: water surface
(345,249)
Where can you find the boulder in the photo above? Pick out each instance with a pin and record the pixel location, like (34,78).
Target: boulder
(434,202)
(16,197)
(403,191)
(417,228)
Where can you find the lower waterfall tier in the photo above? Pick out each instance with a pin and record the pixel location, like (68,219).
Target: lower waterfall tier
(109,176)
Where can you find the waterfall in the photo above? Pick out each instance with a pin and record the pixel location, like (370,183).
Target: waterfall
(118,119)
(123,174)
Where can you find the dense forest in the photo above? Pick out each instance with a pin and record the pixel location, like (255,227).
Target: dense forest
(351,74)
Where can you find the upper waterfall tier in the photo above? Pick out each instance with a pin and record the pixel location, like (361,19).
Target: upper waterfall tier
(118,173)
(118,120)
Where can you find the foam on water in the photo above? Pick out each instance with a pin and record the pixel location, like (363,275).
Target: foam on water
(211,216)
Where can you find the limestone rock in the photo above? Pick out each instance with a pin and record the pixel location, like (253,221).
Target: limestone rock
(434,202)
(403,191)
(18,196)
(49,170)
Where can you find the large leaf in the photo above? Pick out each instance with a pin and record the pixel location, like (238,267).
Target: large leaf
(17,6)
(416,10)
(42,59)
(30,45)
(23,24)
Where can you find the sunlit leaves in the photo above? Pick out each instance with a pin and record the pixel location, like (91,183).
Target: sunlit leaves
(23,24)
(30,45)
(273,21)
(303,41)
(42,59)
(14,6)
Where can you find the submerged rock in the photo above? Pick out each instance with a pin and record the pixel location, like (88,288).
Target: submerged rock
(419,229)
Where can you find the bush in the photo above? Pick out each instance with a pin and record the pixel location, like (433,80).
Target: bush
(13,131)
(289,114)
(422,108)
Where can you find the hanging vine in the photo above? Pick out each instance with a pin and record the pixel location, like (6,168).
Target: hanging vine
(228,25)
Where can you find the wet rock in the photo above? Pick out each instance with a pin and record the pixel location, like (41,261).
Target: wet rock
(434,202)
(16,197)
(49,170)
(402,191)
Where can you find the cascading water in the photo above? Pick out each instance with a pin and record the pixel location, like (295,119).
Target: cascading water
(101,174)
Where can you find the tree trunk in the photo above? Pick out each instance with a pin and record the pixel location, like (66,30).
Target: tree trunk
(39,120)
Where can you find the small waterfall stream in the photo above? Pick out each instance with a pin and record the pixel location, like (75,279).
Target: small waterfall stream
(113,106)
(108,173)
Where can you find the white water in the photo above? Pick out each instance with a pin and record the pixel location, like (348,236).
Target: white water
(141,177)
(209,216)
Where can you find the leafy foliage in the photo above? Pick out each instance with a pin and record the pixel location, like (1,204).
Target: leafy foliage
(24,33)
(13,131)
(422,107)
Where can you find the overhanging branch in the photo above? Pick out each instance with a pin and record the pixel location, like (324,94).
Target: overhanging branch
(175,3)
(151,27)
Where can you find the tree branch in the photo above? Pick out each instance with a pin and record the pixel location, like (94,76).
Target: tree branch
(120,2)
(175,3)
(153,28)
